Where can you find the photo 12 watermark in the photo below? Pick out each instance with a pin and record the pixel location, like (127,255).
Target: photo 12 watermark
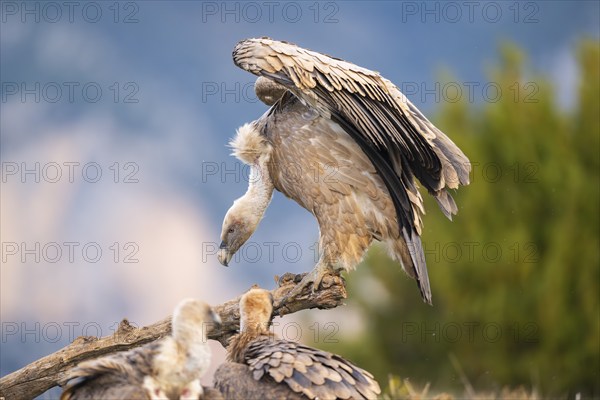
(52,12)
(69,252)
(471,92)
(53,332)
(252,12)
(70,92)
(69,172)
(489,252)
(453,12)
(469,332)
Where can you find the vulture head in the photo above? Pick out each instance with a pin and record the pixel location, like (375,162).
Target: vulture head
(268,91)
(192,319)
(239,224)
(242,219)
(256,307)
(181,361)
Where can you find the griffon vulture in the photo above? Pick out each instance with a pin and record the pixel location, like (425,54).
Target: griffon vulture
(262,366)
(347,145)
(167,369)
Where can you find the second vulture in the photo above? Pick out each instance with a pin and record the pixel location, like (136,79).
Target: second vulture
(262,366)
(170,368)
(347,145)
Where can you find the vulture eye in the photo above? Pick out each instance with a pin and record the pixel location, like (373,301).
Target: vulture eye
(231,230)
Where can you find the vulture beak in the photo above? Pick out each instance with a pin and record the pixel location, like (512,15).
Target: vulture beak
(223,255)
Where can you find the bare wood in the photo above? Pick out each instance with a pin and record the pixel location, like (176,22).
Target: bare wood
(47,372)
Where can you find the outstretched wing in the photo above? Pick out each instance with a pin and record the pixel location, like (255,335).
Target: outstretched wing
(372,106)
(398,139)
(312,372)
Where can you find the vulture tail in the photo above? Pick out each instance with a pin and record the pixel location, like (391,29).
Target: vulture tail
(413,261)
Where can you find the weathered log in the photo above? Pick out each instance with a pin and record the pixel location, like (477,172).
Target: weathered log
(47,372)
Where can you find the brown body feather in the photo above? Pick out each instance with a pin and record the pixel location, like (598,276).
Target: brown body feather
(333,179)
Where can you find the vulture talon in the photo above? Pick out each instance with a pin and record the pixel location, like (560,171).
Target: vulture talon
(312,279)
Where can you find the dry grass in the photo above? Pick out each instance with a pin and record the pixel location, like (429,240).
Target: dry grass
(402,389)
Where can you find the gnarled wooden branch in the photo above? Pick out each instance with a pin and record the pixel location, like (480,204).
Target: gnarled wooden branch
(47,372)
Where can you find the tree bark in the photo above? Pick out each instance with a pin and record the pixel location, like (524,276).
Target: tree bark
(47,372)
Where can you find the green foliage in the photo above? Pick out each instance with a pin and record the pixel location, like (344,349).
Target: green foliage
(515,278)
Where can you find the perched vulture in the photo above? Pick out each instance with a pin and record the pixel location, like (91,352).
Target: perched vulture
(261,366)
(347,145)
(167,369)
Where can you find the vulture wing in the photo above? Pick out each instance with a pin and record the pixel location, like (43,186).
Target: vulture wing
(312,372)
(372,107)
(119,376)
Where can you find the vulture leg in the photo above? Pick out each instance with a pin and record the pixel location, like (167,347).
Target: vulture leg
(315,277)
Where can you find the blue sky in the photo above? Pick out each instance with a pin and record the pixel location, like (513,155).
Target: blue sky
(147,94)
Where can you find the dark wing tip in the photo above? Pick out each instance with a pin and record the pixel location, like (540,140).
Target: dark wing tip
(417,256)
